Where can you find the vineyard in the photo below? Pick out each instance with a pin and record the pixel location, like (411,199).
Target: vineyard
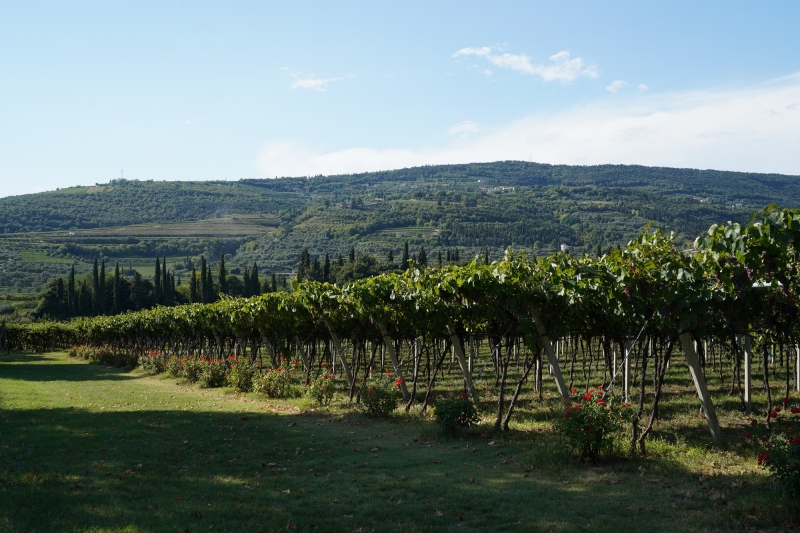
(731,304)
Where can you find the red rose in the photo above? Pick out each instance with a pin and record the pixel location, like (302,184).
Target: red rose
(795,410)
(785,401)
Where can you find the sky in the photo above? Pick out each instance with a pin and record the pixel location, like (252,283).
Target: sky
(92,91)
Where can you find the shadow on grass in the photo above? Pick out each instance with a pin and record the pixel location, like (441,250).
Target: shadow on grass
(26,367)
(65,469)
(208,461)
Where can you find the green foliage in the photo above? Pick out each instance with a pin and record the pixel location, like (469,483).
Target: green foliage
(455,413)
(174,366)
(278,382)
(322,386)
(779,441)
(590,426)
(241,372)
(380,394)
(212,373)
(153,362)
(192,368)
(102,355)
(471,207)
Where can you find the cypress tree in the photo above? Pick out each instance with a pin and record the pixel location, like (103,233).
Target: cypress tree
(274,283)
(448,255)
(116,294)
(157,287)
(351,256)
(390,257)
(223,275)
(422,257)
(72,296)
(439,259)
(455,255)
(165,286)
(204,290)
(193,298)
(84,300)
(304,265)
(246,283)
(404,259)
(103,294)
(255,284)
(96,297)
(486,255)
(326,268)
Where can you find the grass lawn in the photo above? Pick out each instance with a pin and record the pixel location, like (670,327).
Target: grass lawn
(89,448)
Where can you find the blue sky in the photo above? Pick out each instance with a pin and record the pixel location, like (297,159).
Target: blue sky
(200,90)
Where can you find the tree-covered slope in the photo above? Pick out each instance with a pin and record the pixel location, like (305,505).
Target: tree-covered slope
(471,207)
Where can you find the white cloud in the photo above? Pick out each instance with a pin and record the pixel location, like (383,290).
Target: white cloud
(563,68)
(642,87)
(617,85)
(753,129)
(316,84)
(463,127)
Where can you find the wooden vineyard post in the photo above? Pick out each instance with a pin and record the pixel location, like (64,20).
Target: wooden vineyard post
(338,347)
(748,388)
(702,388)
(459,349)
(393,355)
(797,368)
(551,356)
(626,376)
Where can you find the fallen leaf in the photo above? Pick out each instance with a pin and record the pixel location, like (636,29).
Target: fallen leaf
(439,513)
(400,502)
(287,491)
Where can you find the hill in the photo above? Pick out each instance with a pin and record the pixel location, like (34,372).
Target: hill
(532,206)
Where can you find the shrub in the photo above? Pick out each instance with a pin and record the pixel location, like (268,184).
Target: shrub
(320,388)
(379,394)
(102,355)
(241,372)
(192,368)
(588,427)
(780,446)
(212,373)
(174,366)
(278,382)
(153,362)
(455,413)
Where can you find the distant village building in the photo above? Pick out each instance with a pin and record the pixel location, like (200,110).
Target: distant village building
(567,248)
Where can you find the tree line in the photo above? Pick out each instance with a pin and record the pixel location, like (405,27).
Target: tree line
(357,266)
(111,293)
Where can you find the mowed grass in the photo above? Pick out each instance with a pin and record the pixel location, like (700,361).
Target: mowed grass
(89,448)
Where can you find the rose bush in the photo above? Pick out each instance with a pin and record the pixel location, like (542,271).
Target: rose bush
(452,414)
(241,372)
(779,443)
(588,427)
(280,381)
(379,394)
(321,387)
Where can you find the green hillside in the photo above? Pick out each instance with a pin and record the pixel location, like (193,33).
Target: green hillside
(532,206)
